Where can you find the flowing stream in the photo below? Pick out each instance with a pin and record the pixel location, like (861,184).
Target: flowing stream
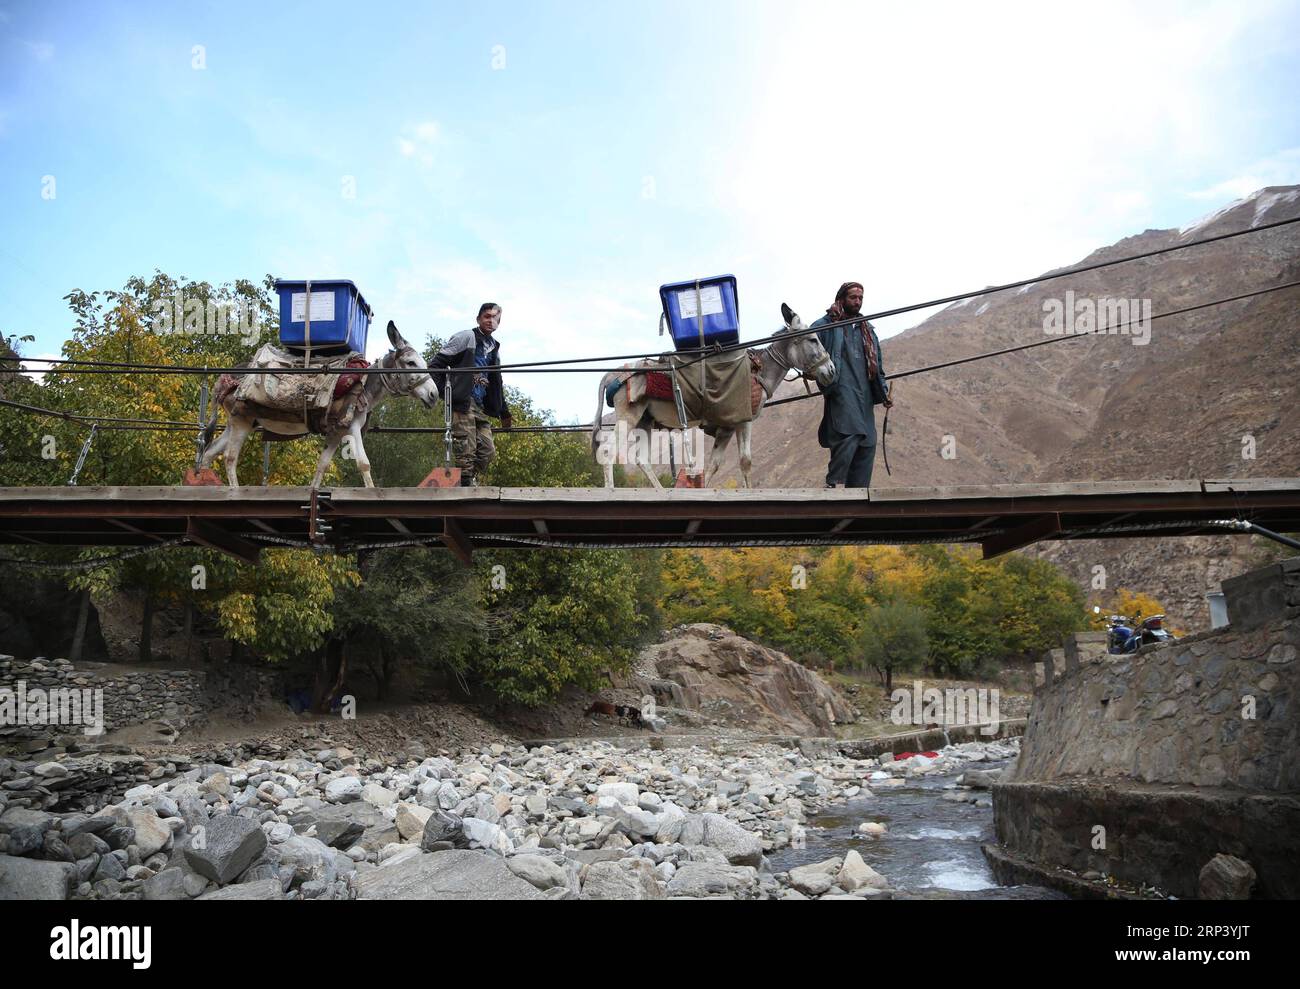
(932,846)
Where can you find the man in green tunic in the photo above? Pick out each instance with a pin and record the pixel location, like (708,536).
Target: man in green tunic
(848,427)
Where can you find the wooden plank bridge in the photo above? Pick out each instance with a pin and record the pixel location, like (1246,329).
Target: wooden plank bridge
(1000,518)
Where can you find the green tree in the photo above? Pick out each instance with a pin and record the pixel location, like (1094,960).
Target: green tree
(892,637)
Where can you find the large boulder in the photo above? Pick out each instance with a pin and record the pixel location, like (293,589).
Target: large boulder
(700,879)
(740,846)
(228,847)
(455,874)
(817,878)
(538,870)
(714,671)
(855,874)
(151,831)
(31,879)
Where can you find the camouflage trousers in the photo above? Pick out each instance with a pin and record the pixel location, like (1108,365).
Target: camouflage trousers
(471,441)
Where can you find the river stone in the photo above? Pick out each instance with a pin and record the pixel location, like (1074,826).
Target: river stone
(455,874)
(815,879)
(82,824)
(166,885)
(538,870)
(30,879)
(623,793)
(343,790)
(981,779)
(411,819)
(263,889)
(855,874)
(486,834)
(636,821)
(230,846)
(378,796)
(442,826)
(624,879)
(400,854)
(25,838)
(1226,877)
(338,833)
(303,859)
(151,831)
(740,846)
(699,879)
(672,820)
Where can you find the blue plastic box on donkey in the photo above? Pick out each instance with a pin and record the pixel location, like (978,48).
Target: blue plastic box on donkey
(340,317)
(702,312)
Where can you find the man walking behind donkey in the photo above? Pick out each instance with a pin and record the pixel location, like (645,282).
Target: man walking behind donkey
(848,427)
(474,396)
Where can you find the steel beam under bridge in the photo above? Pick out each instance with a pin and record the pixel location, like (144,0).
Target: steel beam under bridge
(999,517)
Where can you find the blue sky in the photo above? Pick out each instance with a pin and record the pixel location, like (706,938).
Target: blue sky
(564,159)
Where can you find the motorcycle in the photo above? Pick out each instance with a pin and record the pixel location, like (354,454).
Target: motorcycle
(1124,635)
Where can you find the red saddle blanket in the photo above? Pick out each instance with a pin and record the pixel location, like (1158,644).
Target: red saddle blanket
(659,384)
(346,381)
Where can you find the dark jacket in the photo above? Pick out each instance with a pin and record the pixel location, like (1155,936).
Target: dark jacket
(459,352)
(851,399)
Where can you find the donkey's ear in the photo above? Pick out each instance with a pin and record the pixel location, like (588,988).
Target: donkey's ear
(788,314)
(394,337)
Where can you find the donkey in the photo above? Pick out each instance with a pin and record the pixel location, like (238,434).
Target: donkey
(405,373)
(803,354)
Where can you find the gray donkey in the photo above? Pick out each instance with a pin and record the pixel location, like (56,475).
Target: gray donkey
(803,354)
(405,374)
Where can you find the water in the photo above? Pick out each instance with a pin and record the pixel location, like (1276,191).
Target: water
(932,845)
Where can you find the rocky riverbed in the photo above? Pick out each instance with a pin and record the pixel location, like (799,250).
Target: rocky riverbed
(587,820)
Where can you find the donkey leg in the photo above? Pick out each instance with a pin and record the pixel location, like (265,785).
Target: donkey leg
(326,455)
(746,452)
(359,451)
(237,431)
(720,443)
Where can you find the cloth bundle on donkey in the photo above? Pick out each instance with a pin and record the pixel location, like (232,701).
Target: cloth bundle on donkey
(324,401)
(723,388)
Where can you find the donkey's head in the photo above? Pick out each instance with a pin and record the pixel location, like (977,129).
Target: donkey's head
(805,352)
(413,378)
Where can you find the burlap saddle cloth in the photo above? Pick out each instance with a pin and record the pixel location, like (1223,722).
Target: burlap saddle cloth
(324,401)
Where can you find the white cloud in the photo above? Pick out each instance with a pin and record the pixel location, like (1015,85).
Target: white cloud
(946,147)
(542,319)
(1282,168)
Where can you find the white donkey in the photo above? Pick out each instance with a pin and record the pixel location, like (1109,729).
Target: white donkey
(405,374)
(802,353)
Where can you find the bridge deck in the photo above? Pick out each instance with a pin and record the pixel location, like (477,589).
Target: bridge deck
(999,517)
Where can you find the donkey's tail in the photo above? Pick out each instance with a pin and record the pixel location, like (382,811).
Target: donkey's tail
(208,431)
(597,423)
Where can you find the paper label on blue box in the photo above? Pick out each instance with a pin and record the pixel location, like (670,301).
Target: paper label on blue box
(322,306)
(710,301)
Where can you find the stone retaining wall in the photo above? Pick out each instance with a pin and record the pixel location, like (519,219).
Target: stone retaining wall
(1177,753)
(172,699)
